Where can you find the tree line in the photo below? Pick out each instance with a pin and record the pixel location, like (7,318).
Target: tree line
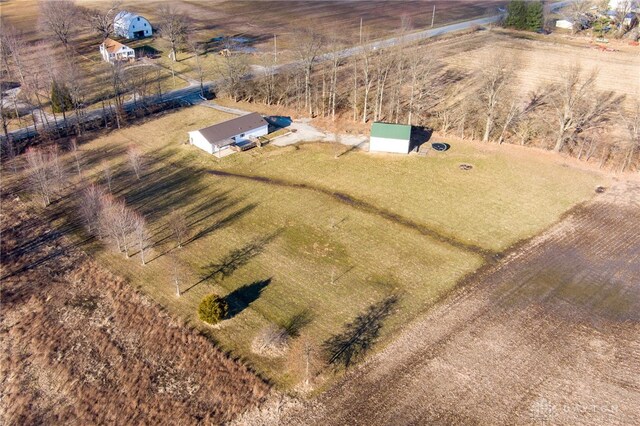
(410,84)
(405,83)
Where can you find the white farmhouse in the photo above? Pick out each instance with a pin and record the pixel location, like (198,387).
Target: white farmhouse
(220,138)
(387,137)
(130,26)
(113,51)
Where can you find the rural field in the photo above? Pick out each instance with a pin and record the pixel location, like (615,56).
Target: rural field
(80,346)
(493,282)
(260,20)
(547,336)
(298,238)
(542,58)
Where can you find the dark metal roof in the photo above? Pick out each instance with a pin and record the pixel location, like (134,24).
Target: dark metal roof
(218,134)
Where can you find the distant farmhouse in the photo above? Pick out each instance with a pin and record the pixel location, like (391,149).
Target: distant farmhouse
(130,26)
(387,137)
(113,51)
(237,134)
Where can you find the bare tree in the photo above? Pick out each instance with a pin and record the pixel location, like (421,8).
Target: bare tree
(623,9)
(177,224)
(90,207)
(232,69)
(76,155)
(336,61)
(495,76)
(176,273)
(74,79)
(304,359)
(578,106)
(385,63)
(271,341)
(367,79)
(60,18)
(116,73)
(117,222)
(135,159)
(107,174)
(307,48)
(100,20)
(173,27)
(198,50)
(141,234)
(45,173)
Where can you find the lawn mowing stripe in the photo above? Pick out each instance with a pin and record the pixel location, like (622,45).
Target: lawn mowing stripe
(488,255)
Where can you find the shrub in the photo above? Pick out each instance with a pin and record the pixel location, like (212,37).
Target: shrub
(60,98)
(271,341)
(212,309)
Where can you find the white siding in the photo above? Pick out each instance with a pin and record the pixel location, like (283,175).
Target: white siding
(126,24)
(196,139)
(260,131)
(563,23)
(388,145)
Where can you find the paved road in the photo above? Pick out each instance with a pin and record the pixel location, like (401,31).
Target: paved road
(191,95)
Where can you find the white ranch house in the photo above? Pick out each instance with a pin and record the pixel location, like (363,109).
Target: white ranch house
(237,133)
(386,137)
(131,26)
(113,51)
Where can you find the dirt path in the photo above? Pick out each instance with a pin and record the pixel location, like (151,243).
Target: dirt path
(550,335)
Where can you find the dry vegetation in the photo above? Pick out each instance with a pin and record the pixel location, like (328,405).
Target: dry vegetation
(80,345)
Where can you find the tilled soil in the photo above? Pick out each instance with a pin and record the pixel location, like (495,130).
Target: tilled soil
(550,335)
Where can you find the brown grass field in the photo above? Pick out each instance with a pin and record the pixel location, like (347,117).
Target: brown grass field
(541,59)
(263,18)
(548,336)
(81,346)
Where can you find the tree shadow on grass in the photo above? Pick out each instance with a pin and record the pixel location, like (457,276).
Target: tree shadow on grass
(297,322)
(221,223)
(358,337)
(240,299)
(217,271)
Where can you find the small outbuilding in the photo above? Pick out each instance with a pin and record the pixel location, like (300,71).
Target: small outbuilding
(387,137)
(131,26)
(113,51)
(236,134)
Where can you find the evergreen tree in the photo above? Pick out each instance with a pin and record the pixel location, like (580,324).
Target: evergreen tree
(535,16)
(60,98)
(213,309)
(517,14)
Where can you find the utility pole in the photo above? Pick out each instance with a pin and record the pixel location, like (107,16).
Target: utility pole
(360,30)
(433,15)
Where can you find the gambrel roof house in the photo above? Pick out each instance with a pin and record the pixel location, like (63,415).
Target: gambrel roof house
(113,51)
(220,137)
(130,25)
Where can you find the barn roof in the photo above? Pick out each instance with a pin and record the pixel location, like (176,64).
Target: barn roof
(113,46)
(124,18)
(221,132)
(391,131)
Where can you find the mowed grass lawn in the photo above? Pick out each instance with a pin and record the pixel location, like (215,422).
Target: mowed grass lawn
(287,255)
